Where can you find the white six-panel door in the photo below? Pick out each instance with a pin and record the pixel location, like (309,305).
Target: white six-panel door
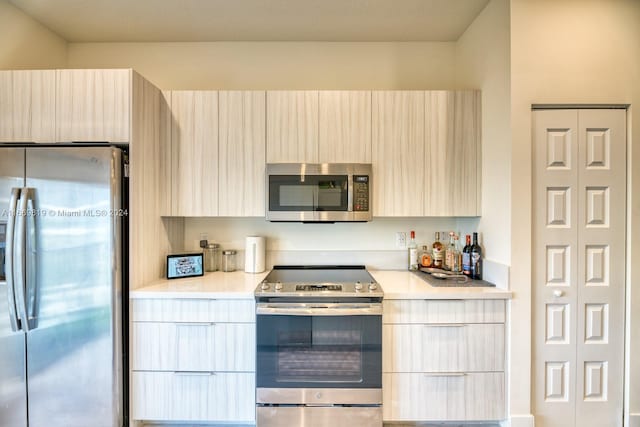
(578,266)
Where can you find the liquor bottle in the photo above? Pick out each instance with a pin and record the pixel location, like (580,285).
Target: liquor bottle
(476,259)
(466,257)
(413,252)
(438,252)
(425,257)
(450,252)
(457,256)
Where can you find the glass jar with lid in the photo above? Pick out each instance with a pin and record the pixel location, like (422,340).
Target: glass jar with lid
(211,255)
(228,260)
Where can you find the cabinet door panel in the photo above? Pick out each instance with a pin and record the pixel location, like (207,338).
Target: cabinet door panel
(452,153)
(345,127)
(443,311)
(194,347)
(188,396)
(443,348)
(27,106)
(242,153)
(93,105)
(194,310)
(292,127)
(398,153)
(442,397)
(194,147)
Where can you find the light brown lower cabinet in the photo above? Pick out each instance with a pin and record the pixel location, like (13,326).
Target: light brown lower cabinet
(443,396)
(193,360)
(193,396)
(443,360)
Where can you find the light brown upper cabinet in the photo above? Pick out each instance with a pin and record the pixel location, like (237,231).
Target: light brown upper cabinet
(345,127)
(194,153)
(27,106)
(93,105)
(452,153)
(398,153)
(292,126)
(241,160)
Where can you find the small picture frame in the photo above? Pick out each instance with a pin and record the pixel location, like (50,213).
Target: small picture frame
(184,265)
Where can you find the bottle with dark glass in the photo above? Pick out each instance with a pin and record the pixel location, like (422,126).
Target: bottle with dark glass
(476,259)
(466,257)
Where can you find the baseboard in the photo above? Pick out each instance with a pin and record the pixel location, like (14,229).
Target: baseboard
(634,420)
(520,421)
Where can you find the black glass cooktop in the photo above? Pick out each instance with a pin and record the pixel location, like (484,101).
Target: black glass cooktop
(319,274)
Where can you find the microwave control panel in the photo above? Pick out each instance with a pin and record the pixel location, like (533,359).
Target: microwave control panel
(361,193)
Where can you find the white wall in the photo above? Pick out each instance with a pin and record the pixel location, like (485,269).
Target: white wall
(378,235)
(482,62)
(25,43)
(565,51)
(277,65)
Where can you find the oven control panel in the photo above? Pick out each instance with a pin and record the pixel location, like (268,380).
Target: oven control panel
(361,193)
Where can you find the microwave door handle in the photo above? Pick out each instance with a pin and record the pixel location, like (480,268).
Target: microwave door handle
(9,246)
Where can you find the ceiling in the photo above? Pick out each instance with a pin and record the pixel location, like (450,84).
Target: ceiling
(254,20)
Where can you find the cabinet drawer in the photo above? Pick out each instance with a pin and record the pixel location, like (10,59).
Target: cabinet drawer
(443,311)
(168,396)
(194,346)
(193,310)
(455,347)
(443,397)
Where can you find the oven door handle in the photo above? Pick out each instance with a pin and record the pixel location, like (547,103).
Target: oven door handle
(319,309)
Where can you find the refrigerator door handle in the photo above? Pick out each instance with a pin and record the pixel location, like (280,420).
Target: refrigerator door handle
(19,261)
(31,257)
(11,294)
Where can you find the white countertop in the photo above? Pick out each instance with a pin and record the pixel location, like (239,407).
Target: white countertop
(218,285)
(240,285)
(408,285)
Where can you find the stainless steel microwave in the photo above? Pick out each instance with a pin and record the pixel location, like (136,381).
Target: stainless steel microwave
(319,192)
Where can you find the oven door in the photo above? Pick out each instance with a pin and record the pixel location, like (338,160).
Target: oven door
(304,346)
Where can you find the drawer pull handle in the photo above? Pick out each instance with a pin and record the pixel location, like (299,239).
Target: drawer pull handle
(445,374)
(195,324)
(193,373)
(447,325)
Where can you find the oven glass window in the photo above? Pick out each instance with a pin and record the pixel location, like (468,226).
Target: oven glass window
(308,193)
(319,351)
(320,355)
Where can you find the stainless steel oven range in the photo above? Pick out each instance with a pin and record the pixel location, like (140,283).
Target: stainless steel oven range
(319,348)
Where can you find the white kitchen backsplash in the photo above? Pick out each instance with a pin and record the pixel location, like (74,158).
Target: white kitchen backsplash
(372,244)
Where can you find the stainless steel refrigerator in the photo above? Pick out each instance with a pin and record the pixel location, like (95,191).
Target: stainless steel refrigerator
(63,243)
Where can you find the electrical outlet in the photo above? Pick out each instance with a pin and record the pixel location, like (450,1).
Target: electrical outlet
(203,241)
(401,240)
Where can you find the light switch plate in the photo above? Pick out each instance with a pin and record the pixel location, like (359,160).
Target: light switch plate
(401,240)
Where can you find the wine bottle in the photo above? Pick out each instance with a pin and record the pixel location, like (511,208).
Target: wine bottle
(450,252)
(476,259)
(466,257)
(438,252)
(413,252)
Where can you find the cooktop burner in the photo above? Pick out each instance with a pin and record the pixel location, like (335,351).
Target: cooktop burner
(319,281)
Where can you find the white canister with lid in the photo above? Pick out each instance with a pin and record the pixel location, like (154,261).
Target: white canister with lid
(254,254)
